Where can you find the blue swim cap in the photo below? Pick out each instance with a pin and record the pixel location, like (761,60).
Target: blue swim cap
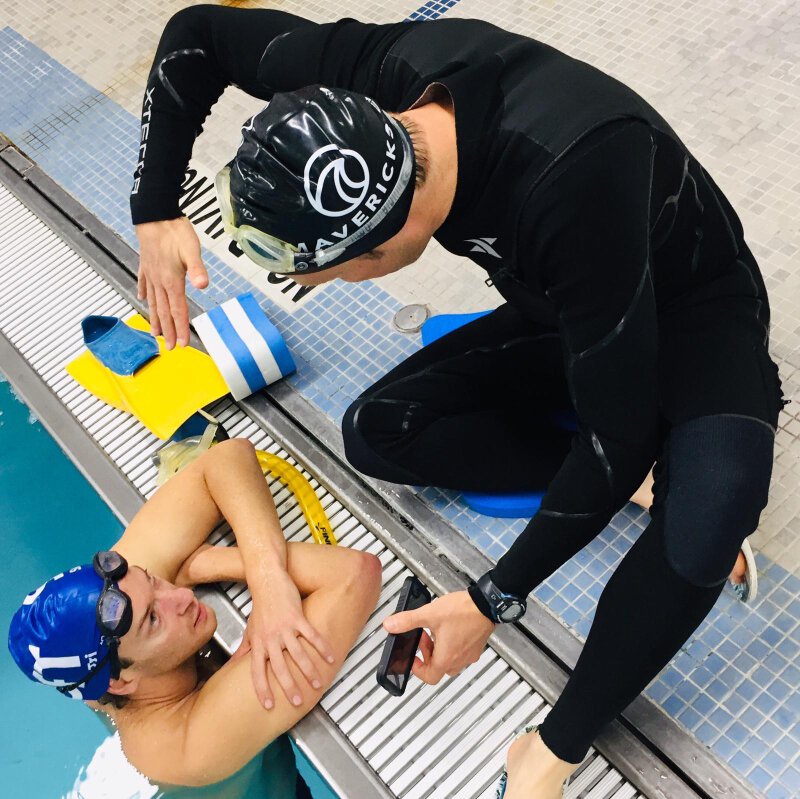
(54,637)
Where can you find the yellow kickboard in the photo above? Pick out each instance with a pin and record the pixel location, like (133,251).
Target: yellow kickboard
(164,393)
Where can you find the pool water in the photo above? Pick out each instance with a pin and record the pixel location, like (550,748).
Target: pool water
(53,519)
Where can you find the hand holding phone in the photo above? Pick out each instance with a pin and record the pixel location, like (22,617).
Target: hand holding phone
(399,650)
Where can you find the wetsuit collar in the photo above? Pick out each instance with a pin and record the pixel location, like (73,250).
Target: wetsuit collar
(477,103)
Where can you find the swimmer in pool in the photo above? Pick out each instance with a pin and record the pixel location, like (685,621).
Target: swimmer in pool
(123,634)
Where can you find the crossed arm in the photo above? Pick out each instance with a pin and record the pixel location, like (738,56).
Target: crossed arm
(224,724)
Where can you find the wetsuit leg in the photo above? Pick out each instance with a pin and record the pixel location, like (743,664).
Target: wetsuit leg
(719,457)
(719,471)
(722,406)
(644,615)
(472,411)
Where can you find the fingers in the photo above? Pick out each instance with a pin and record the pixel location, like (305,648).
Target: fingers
(197,271)
(430,673)
(407,620)
(197,274)
(432,667)
(189,251)
(169,250)
(141,284)
(319,642)
(168,310)
(426,647)
(303,662)
(152,305)
(258,671)
(282,673)
(165,317)
(179,311)
(458,634)
(428,669)
(241,650)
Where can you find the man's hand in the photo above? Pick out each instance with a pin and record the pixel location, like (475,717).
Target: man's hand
(276,624)
(459,632)
(168,251)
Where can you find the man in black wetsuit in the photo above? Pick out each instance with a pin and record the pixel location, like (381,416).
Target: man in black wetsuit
(632,299)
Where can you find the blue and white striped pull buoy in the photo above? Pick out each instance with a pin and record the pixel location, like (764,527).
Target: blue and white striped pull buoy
(246,347)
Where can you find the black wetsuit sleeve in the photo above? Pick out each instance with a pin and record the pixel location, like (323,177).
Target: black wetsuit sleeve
(586,229)
(206,48)
(203,49)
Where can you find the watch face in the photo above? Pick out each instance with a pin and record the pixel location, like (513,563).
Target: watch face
(512,612)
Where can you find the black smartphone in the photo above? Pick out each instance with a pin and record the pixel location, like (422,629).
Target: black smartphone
(399,650)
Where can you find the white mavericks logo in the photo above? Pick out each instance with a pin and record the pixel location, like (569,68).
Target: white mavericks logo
(352,189)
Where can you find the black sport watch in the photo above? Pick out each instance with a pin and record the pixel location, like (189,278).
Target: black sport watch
(496,605)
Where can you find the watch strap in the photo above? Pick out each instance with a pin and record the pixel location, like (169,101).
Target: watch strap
(482,602)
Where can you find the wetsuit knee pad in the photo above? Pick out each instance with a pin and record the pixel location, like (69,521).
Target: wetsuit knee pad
(357,447)
(718,470)
(372,429)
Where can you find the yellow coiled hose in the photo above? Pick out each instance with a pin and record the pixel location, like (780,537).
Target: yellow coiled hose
(305,495)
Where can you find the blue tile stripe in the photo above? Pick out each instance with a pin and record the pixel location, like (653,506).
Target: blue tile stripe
(735,684)
(432,9)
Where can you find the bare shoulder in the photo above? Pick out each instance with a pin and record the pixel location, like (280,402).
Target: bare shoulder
(154,739)
(209,735)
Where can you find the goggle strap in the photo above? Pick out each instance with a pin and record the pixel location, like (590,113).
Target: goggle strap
(115,670)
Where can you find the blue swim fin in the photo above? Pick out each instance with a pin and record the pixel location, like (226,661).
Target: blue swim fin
(164,392)
(118,346)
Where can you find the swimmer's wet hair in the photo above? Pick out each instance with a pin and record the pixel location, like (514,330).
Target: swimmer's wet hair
(420,149)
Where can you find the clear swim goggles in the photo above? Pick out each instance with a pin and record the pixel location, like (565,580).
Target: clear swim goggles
(264,250)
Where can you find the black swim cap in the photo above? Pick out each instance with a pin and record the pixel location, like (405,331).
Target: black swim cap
(325,171)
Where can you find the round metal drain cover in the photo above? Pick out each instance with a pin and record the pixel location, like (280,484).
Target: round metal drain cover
(410,318)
